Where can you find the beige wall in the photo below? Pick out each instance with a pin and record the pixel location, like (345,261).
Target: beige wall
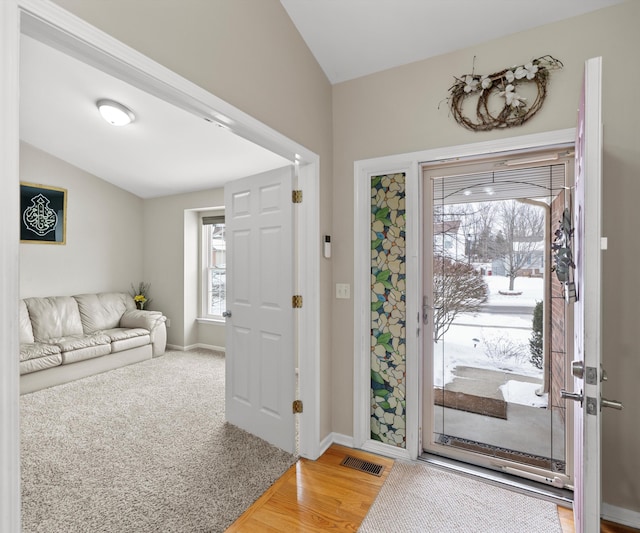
(212,335)
(248,53)
(104,233)
(396,111)
(171,250)
(118,240)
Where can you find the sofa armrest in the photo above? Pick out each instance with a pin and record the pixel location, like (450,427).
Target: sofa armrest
(154,321)
(137,318)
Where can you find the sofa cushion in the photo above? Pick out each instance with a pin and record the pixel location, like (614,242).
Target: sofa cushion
(30,350)
(78,342)
(53,317)
(26,331)
(80,347)
(40,363)
(103,311)
(125,338)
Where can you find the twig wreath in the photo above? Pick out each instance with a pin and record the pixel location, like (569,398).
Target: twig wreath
(503,84)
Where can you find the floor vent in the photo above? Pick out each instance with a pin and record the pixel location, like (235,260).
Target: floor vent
(364,466)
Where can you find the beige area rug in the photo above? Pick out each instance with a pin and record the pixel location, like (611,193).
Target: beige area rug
(142,448)
(418,498)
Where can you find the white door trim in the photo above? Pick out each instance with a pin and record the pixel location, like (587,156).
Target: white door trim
(9,252)
(53,25)
(409,163)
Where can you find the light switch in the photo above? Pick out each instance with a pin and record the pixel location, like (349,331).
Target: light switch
(343,291)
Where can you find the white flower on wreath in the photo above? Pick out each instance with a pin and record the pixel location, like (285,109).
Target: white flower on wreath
(485,82)
(529,71)
(471,84)
(512,97)
(509,76)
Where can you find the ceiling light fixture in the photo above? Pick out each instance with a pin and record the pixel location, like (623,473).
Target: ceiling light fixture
(115,113)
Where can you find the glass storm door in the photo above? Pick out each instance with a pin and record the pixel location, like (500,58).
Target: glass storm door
(496,338)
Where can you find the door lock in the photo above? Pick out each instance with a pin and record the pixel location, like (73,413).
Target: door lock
(226,314)
(577,369)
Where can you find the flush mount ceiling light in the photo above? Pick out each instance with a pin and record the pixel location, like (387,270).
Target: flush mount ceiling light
(115,113)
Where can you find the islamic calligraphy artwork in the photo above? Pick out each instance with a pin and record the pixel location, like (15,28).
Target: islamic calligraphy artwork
(42,214)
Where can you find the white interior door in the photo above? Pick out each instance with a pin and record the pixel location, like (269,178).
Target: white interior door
(260,363)
(586,368)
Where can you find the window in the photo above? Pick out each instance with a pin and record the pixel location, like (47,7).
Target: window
(214,266)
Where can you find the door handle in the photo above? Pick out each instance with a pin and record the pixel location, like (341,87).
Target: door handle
(575,396)
(226,314)
(612,404)
(426,308)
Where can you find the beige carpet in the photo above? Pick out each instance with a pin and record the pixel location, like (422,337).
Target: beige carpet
(418,498)
(139,449)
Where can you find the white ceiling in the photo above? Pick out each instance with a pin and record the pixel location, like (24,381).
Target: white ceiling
(168,151)
(353,38)
(164,151)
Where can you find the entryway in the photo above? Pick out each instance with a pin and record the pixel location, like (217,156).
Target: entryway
(496,335)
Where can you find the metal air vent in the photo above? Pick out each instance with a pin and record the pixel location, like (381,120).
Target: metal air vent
(364,466)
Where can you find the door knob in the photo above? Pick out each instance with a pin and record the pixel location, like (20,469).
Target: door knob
(611,404)
(226,314)
(575,396)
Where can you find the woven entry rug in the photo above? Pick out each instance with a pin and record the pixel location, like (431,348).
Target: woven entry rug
(144,448)
(418,498)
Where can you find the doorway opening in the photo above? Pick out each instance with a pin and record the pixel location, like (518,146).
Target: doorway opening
(496,326)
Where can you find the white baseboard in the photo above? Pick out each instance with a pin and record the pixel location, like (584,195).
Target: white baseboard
(195,347)
(620,515)
(175,347)
(335,438)
(342,440)
(386,450)
(373,446)
(206,347)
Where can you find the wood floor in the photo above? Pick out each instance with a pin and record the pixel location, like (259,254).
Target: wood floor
(317,496)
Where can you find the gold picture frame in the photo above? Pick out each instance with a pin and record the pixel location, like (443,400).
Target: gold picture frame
(43,214)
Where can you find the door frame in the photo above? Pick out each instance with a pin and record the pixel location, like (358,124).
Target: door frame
(53,25)
(410,164)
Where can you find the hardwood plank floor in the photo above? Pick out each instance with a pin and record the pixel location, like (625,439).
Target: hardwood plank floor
(316,496)
(566,521)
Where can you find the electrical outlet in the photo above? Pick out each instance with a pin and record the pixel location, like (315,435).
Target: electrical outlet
(168,322)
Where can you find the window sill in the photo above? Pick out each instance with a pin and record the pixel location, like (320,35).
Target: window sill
(215,321)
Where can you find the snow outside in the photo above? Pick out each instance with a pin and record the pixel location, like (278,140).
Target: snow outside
(480,339)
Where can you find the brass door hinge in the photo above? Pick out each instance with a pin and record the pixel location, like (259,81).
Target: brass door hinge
(296,301)
(297,406)
(296,196)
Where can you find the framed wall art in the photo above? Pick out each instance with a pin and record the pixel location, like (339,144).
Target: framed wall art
(43,214)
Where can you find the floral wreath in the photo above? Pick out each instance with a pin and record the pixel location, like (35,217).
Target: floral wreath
(504,84)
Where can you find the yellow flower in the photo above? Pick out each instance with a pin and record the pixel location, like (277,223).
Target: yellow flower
(140,298)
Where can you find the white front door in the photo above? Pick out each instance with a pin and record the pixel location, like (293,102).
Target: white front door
(260,361)
(588,241)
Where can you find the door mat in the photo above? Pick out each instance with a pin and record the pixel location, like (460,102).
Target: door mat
(471,403)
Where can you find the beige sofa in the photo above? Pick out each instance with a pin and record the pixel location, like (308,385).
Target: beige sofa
(63,338)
